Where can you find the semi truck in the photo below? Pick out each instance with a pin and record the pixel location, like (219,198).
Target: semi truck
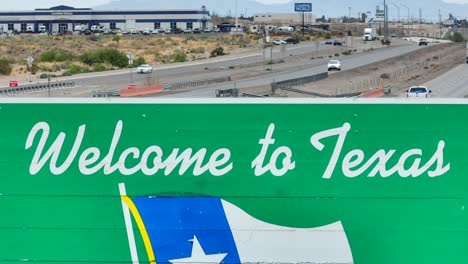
(370,34)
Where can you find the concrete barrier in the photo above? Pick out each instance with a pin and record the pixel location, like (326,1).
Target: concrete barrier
(374,93)
(142,91)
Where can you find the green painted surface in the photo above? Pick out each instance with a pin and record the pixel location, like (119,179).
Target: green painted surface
(78,218)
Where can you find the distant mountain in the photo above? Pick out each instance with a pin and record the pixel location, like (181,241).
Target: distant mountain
(329,8)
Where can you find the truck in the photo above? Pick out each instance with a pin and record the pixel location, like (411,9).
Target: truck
(370,34)
(418,92)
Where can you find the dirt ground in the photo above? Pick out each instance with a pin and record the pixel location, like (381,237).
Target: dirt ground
(397,73)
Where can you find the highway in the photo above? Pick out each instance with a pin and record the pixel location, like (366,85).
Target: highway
(348,62)
(453,84)
(119,79)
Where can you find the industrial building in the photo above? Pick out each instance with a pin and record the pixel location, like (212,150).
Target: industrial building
(65,18)
(284,18)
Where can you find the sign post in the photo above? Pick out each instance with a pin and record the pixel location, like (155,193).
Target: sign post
(130,57)
(303,8)
(30,61)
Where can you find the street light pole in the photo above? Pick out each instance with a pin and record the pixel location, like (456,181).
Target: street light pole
(408,15)
(398,9)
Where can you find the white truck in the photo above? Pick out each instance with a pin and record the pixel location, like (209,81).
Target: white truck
(418,92)
(370,34)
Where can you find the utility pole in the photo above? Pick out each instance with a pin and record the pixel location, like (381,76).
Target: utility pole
(237,21)
(408,21)
(385,21)
(440,24)
(399,20)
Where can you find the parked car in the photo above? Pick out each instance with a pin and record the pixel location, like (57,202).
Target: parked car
(217,30)
(328,42)
(291,41)
(178,31)
(418,92)
(207,30)
(145,68)
(168,31)
(279,42)
(334,65)
(423,42)
(147,32)
(337,43)
(196,31)
(188,31)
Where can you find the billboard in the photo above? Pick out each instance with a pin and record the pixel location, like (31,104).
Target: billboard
(204,181)
(303,7)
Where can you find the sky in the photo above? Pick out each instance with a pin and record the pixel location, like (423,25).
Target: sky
(32,4)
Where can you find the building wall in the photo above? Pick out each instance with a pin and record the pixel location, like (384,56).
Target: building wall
(125,20)
(284,18)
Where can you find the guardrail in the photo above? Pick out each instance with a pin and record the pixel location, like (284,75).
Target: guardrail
(37,87)
(106,93)
(196,83)
(234,92)
(322,95)
(299,81)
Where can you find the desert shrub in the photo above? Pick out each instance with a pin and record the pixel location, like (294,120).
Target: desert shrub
(180,57)
(111,56)
(139,61)
(5,67)
(219,51)
(56,56)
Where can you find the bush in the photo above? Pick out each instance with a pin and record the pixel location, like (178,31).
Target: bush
(99,68)
(116,38)
(385,76)
(75,69)
(56,56)
(44,76)
(328,36)
(5,67)
(180,57)
(112,56)
(139,61)
(337,54)
(67,73)
(219,51)
(456,37)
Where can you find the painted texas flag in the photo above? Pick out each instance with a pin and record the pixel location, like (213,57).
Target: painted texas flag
(210,230)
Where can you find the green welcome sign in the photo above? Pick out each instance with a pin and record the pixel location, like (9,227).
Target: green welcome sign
(200,181)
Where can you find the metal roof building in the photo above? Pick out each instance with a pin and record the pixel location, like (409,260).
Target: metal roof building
(65,18)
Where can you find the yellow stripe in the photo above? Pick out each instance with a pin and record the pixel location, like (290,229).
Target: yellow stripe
(141,227)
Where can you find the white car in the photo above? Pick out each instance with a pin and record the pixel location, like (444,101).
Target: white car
(279,42)
(418,92)
(188,31)
(334,65)
(145,68)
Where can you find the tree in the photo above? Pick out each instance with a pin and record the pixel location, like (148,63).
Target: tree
(363,17)
(457,37)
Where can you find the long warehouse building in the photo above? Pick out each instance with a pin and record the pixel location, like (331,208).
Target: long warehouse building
(65,18)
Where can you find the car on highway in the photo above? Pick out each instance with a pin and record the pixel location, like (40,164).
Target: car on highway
(291,41)
(334,65)
(279,42)
(328,42)
(145,68)
(337,43)
(418,92)
(423,42)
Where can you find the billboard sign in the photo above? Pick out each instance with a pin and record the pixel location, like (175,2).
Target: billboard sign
(252,181)
(303,7)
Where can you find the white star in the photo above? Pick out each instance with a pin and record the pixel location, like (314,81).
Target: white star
(199,256)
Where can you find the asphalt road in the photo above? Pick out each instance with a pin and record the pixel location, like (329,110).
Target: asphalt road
(187,70)
(348,62)
(453,84)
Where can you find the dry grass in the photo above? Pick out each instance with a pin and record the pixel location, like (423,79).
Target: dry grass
(22,46)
